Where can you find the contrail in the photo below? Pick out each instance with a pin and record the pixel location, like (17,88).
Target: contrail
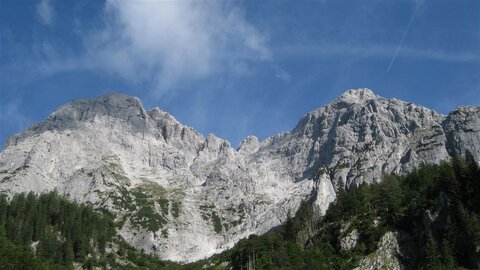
(401,40)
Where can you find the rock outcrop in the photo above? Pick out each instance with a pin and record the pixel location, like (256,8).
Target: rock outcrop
(184,196)
(396,251)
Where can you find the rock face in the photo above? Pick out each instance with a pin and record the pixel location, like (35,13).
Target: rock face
(462,128)
(349,241)
(184,196)
(396,251)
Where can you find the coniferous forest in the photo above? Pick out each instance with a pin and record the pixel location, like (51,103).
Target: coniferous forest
(50,232)
(436,207)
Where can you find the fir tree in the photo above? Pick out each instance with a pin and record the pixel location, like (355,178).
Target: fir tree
(432,256)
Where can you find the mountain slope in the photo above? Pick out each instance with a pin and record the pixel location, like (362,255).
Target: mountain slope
(184,196)
(426,219)
(50,232)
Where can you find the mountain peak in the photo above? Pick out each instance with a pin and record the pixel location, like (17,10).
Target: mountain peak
(199,195)
(356,95)
(107,102)
(114,105)
(70,115)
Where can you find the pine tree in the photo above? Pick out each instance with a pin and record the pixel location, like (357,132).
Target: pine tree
(472,164)
(388,199)
(447,257)
(68,255)
(3,209)
(26,234)
(473,182)
(432,256)
(459,167)
(48,246)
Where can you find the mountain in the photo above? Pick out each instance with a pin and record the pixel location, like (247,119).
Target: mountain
(183,196)
(426,219)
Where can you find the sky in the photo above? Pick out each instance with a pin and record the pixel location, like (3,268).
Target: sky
(235,68)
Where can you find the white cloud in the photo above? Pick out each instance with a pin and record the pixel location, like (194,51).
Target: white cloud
(281,74)
(170,42)
(45,12)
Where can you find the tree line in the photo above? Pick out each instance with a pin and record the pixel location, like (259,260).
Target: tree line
(48,231)
(437,205)
(448,193)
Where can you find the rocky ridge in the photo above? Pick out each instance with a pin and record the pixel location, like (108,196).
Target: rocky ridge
(184,196)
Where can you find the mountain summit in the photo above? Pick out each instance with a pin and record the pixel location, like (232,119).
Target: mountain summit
(184,196)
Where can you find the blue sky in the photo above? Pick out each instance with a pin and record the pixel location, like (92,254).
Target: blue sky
(235,68)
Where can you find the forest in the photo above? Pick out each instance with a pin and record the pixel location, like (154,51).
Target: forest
(437,206)
(450,192)
(48,231)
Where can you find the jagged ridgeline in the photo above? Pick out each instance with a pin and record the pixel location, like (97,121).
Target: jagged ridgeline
(427,219)
(183,196)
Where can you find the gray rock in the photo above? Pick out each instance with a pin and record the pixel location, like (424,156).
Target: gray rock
(349,241)
(396,251)
(209,195)
(462,128)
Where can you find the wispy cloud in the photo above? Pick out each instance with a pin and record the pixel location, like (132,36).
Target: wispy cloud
(328,50)
(167,45)
(442,55)
(168,42)
(281,74)
(163,45)
(45,12)
(12,118)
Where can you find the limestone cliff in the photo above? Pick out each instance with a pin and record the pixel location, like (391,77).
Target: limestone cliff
(184,196)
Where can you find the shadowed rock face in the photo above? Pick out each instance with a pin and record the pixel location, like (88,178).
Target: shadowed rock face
(462,128)
(184,196)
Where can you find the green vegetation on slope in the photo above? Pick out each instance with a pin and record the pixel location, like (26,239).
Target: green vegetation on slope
(147,206)
(50,232)
(438,205)
(449,192)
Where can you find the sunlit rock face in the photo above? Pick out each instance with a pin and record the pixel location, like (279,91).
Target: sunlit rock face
(395,251)
(183,196)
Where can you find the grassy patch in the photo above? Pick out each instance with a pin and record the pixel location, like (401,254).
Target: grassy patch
(154,189)
(217,222)
(140,203)
(241,216)
(176,206)
(17,170)
(163,205)
(147,206)
(341,165)
(122,200)
(146,217)
(5,179)
(210,215)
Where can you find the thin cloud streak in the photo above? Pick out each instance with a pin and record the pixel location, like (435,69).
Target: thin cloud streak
(12,117)
(45,12)
(403,38)
(371,51)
